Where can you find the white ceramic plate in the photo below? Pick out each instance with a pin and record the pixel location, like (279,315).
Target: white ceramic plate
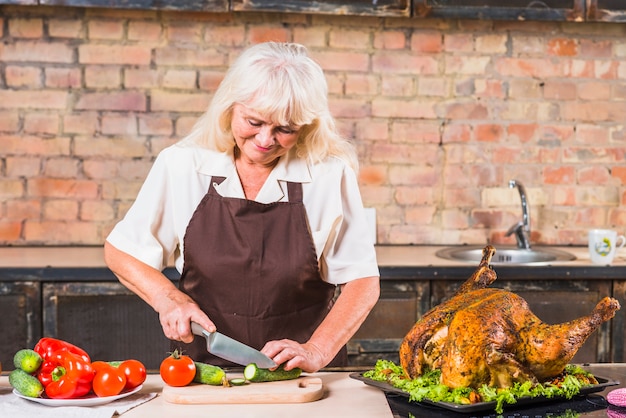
(90,400)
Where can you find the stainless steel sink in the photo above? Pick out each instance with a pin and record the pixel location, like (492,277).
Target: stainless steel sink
(505,255)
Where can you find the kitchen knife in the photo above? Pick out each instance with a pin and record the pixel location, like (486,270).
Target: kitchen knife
(229,349)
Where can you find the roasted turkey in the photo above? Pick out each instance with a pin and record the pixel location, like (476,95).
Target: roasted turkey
(489,336)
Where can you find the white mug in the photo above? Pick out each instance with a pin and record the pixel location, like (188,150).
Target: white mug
(602,245)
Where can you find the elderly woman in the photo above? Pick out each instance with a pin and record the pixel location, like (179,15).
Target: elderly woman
(261,210)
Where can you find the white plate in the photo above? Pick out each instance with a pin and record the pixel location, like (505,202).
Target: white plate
(89,400)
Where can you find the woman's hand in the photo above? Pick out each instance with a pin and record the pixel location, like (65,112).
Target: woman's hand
(292,354)
(176,311)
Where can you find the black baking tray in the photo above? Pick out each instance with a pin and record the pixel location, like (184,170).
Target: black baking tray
(482,406)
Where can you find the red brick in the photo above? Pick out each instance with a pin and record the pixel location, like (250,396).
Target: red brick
(427,42)
(433,86)
(594,175)
(11,188)
(18,76)
(620,174)
(492,44)
(91,211)
(65,167)
(9,121)
(81,123)
(258,34)
(110,147)
(41,123)
(114,54)
(412,174)
(528,67)
(456,133)
(140,78)
(596,48)
(184,32)
(210,80)
(389,39)
(36,51)
(560,90)
(105,29)
(564,196)
(489,133)
(144,31)
(490,89)
(411,195)
(102,76)
(354,39)
(466,111)
(617,216)
(349,108)
(35,99)
(63,77)
(125,125)
(403,109)
(562,47)
(179,102)
(179,79)
(341,61)
(134,169)
(416,131)
(23,209)
(60,209)
(98,169)
(65,28)
(403,63)
(124,100)
(372,174)
(62,188)
(155,125)
(361,84)
(580,69)
(189,57)
(398,85)
(10,232)
(522,132)
(33,145)
(458,42)
(26,28)
(592,134)
(226,36)
(62,233)
(559,175)
(461,197)
(606,70)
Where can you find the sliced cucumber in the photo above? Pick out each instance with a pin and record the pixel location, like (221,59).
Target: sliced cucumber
(253,373)
(238,381)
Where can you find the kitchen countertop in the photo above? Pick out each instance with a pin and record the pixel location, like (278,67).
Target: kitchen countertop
(388,256)
(346,397)
(343,397)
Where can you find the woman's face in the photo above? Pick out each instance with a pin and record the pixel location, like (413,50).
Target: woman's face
(260,141)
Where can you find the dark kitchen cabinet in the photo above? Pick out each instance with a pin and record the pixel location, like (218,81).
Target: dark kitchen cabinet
(401,303)
(555,10)
(106,320)
(20,318)
(554,302)
(618,328)
(192,5)
(337,7)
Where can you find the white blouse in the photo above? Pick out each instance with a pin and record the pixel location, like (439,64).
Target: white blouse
(153,229)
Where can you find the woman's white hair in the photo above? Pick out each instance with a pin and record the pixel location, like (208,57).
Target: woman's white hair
(281,82)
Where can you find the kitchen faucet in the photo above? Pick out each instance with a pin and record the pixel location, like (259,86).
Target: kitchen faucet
(522,228)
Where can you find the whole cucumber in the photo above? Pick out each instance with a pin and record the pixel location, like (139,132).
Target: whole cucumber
(27,360)
(209,374)
(25,383)
(253,373)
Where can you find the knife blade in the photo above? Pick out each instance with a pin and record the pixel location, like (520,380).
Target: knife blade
(230,349)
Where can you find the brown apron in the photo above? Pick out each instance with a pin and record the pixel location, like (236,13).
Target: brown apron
(252,268)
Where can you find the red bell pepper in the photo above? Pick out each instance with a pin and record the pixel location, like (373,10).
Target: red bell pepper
(66,375)
(48,346)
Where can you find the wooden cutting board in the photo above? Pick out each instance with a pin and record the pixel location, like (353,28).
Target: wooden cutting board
(303,389)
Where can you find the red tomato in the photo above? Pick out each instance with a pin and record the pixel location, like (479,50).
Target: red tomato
(135,373)
(109,380)
(177,369)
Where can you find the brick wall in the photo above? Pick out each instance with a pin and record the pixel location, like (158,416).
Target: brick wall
(444,114)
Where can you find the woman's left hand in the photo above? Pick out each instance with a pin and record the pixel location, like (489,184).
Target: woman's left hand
(292,354)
